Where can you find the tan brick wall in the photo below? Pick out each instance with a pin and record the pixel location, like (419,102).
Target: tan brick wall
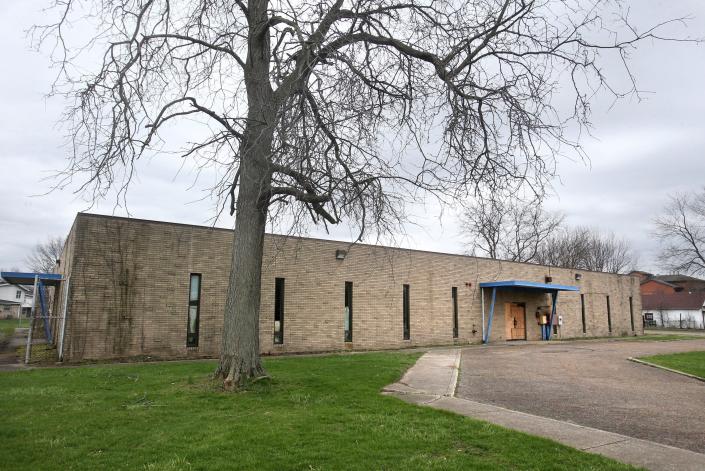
(129,292)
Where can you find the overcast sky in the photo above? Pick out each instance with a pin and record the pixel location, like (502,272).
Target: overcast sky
(641,150)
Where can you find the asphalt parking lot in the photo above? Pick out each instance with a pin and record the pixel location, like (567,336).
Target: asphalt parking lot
(593,384)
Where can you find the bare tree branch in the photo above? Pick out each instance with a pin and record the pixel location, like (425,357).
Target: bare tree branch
(681,230)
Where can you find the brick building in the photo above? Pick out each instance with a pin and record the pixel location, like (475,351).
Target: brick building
(136,288)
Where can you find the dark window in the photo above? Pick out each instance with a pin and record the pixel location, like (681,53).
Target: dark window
(454,295)
(18,294)
(348,311)
(609,315)
(194,307)
(279,310)
(631,312)
(582,311)
(405,307)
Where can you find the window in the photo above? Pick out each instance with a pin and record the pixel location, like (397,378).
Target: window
(405,307)
(194,306)
(348,311)
(18,294)
(279,310)
(631,312)
(609,315)
(582,311)
(454,295)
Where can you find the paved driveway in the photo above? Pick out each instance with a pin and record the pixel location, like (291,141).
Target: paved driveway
(593,384)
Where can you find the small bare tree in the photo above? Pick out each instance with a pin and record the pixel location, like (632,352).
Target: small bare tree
(587,249)
(681,231)
(44,255)
(507,228)
(337,110)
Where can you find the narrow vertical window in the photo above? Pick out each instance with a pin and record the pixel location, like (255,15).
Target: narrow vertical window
(454,295)
(194,307)
(631,312)
(279,310)
(582,312)
(348,311)
(405,307)
(609,315)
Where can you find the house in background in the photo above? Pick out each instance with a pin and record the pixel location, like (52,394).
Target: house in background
(683,283)
(652,284)
(679,310)
(657,286)
(672,301)
(15,300)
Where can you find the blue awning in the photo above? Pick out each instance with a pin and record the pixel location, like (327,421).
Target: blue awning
(528,285)
(20,278)
(519,284)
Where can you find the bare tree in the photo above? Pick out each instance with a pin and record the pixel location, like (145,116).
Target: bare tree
(587,249)
(44,255)
(508,228)
(681,230)
(338,110)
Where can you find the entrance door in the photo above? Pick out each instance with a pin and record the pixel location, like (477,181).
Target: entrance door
(515,321)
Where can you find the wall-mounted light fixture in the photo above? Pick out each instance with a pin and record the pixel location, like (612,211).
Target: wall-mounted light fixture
(578,276)
(549,279)
(340,254)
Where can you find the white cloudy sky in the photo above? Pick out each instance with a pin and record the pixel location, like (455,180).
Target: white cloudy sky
(641,150)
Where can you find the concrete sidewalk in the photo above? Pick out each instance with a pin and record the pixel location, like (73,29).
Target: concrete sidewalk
(432,381)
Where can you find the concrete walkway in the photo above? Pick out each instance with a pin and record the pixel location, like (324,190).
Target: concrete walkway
(432,381)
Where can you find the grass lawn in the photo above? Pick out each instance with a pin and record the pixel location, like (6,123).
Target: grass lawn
(317,413)
(689,362)
(7,326)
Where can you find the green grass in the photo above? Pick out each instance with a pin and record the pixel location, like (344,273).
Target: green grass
(316,413)
(689,362)
(7,326)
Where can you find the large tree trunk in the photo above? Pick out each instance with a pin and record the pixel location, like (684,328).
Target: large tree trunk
(239,355)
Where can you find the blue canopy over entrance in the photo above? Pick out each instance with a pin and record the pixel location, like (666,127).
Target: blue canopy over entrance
(520,285)
(40,281)
(20,278)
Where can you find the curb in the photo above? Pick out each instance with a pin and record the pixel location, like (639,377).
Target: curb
(654,365)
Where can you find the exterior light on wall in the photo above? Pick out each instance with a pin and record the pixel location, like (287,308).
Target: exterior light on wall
(578,276)
(340,254)
(549,279)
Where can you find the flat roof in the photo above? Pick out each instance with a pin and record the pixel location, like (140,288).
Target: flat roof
(348,243)
(21,278)
(528,285)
